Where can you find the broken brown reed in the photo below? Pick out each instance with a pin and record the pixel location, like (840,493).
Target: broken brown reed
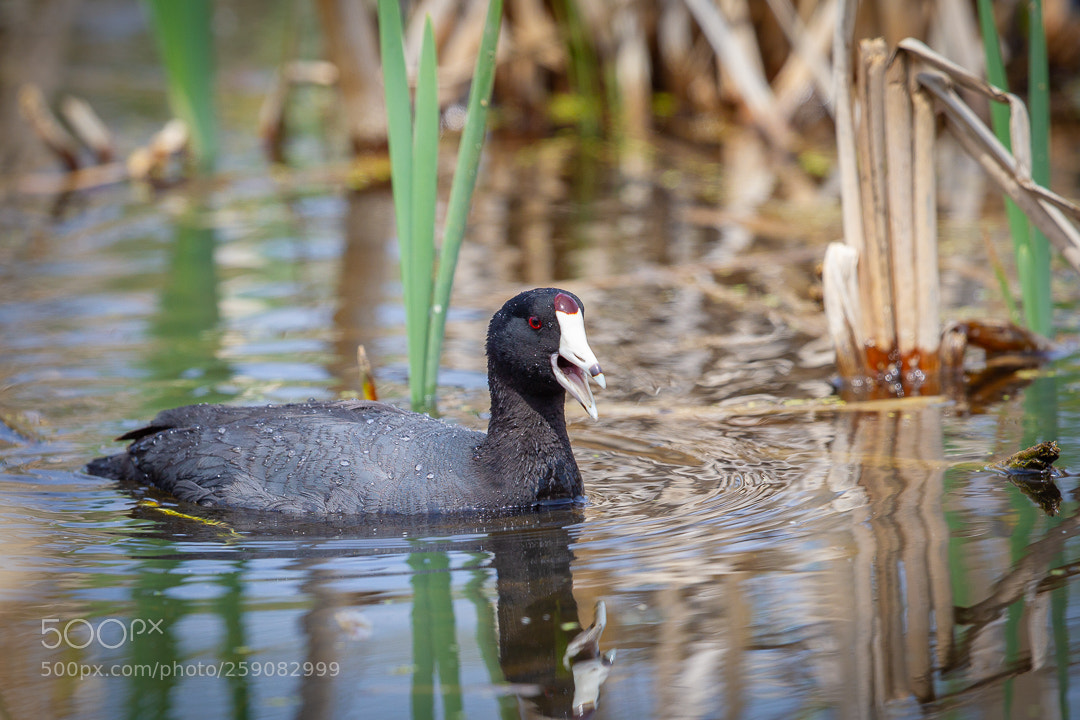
(160,162)
(881,287)
(352,44)
(37,113)
(89,128)
(272,113)
(808,61)
(743,67)
(890,268)
(1010,170)
(367,376)
(874,279)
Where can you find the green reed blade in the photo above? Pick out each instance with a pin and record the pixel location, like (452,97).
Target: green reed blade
(457,212)
(1032,254)
(425,176)
(1038,310)
(184,39)
(999,120)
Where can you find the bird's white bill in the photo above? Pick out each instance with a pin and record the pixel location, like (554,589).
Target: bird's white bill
(580,362)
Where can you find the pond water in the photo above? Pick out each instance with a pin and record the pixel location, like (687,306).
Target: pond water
(756,550)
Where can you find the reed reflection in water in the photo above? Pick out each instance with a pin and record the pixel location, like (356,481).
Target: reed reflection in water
(869,584)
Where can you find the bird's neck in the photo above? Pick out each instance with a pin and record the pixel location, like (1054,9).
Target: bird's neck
(527,448)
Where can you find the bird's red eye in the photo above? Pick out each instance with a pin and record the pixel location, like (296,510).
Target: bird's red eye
(535,323)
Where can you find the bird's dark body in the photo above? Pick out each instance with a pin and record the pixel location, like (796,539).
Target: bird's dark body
(367,457)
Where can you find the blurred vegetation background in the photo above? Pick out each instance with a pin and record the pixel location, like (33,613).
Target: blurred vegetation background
(623,70)
(299,83)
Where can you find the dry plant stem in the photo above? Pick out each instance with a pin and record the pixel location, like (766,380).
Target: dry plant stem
(1043,208)
(898,150)
(843,305)
(633,75)
(879,329)
(845,127)
(271,122)
(744,72)
(88,126)
(351,38)
(924,212)
(805,48)
(1011,171)
(842,310)
(790,83)
(36,111)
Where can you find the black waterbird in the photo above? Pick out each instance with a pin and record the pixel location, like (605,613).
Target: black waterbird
(358,456)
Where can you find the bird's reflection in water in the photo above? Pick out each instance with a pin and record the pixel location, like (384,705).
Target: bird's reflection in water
(540,660)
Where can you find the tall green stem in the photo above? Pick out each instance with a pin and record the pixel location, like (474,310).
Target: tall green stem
(425,182)
(1038,308)
(184,39)
(457,212)
(414,159)
(1030,246)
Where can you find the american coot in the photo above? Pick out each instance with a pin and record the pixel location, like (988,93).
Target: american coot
(358,457)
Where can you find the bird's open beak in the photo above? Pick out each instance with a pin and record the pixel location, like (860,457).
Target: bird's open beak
(575,362)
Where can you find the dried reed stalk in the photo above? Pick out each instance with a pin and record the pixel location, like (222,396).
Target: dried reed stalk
(875,279)
(887,318)
(88,126)
(900,211)
(924,220)
(633,74)
(892,293)
(807,60)
(36,111)
(352,43)
(744,69)
(845,125)
(840,286)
